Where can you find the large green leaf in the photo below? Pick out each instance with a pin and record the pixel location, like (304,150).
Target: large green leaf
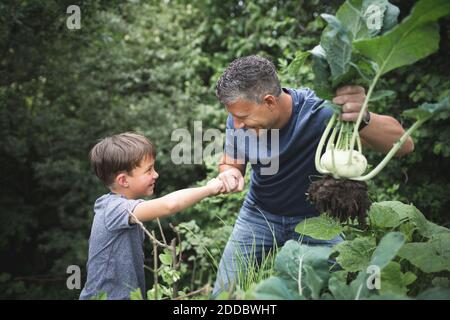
(385,252)
(321,228)
(337,43)
(390,17)
(273,288)
(435,294)
(384,214)
(394,281)
(427,110)
(355,255)
(322,83)
(416,37)
(339,289)
(306,267)
(351,16)
(431,256)
(387,249)
(297,63)
(381,94)
(391,214)
(366,18)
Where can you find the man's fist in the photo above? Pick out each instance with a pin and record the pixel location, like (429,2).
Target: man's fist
(351,98)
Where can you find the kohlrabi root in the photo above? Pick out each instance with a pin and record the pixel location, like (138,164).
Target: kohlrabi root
(341,198)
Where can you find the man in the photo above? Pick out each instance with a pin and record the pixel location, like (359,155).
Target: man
(251,92)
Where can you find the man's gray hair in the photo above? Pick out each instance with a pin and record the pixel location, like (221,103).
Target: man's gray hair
(249,78)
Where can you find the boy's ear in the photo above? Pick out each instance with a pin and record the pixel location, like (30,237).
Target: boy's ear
(121,180)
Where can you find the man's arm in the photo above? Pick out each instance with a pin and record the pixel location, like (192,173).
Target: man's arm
(381,132)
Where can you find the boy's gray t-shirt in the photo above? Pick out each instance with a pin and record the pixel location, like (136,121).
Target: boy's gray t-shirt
(116,257)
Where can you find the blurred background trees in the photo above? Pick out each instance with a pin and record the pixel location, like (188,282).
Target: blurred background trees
(151,67)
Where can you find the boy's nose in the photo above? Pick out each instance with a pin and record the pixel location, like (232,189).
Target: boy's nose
(156,175)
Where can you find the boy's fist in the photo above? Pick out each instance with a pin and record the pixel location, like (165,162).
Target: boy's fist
(215,185)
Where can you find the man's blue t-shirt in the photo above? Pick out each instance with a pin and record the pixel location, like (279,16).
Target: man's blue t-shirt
(116,257)
(284,192)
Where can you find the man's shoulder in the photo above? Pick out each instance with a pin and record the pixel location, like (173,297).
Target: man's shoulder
(305,96)
(306,103)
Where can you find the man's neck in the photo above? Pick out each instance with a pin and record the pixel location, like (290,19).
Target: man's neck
(285,110)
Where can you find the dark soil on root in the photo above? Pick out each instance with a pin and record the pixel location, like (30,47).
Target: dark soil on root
(341,199)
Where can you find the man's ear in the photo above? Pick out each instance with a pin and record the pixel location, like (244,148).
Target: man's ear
(270,101)
(121,180)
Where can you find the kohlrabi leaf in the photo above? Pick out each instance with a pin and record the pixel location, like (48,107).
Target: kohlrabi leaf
(435,294)
(387,249)
(335,108)
(361,72)
(416,37)
(381,94)
(394,281)
(354,255)
(308,265)
(367,18)
(373,13)
(319,52)
(274,288)
(390,19)
(297,63)
(350,14)
(337,43)
(362,18)
(322,227)
(431,256)
(427,110)
(322,84)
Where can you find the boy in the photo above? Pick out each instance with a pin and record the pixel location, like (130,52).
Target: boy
(126,164)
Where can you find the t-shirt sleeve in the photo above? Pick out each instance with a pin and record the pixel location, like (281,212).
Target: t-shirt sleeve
(230,148)
(315,104)
(117,213)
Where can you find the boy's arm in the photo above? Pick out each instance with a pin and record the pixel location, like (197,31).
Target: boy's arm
(175,201)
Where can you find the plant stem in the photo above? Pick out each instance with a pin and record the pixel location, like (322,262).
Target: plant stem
(332,159)
(338,143)
(322,143)
(155,267)
(361,114)
(331,139)
(161,230)
(175,265)
(358,140)
(391,152)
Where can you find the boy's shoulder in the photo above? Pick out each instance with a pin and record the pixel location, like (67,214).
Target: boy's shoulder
(115,209)
(112,201)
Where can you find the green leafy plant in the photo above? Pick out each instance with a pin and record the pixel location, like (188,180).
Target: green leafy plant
(364,42)
(410,252)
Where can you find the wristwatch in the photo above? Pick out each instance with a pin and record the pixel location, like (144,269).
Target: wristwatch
(365,121)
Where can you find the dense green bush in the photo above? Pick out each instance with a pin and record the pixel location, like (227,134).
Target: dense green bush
(151,67)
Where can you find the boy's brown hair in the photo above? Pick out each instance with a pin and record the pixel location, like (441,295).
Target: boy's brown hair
(118,153)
